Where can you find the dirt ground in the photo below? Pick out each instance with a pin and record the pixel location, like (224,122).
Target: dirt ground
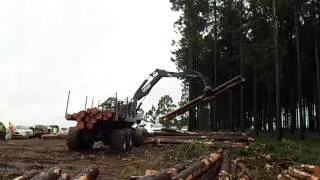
(17,156)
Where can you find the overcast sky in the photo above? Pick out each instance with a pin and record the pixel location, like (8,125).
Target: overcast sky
(92,48)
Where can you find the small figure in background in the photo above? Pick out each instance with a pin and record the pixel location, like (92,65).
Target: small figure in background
(3,131)
(10,132)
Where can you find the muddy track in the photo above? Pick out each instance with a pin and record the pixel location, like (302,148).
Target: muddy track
(17,156)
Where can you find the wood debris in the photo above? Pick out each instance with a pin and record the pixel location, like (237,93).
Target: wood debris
(303,171)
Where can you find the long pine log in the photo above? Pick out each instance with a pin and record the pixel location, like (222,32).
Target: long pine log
(89,173)
(195,169)
(27,175)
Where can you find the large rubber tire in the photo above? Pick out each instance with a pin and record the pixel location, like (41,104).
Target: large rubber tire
(119,140)
(130,139)
(139,136)
(75,141)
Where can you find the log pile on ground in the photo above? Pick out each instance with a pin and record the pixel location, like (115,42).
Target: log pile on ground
(18,136)
(91,172)
(53,136)
(215,166)
(303,171)
(86,119)
(211,139)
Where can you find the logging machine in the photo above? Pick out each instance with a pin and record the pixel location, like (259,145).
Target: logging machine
(112,121)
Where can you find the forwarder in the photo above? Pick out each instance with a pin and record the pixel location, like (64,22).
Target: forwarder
(112,122)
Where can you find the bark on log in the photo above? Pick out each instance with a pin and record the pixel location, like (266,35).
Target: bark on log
(74,116)
(50,136)
(164,174)
(93,120)
(27,175)
(301,174)
(69,117)
(314,170)
(212,172)
(99,116)
(224,173)
(213,138)
(94,111)
(232,134)
(285,176)
(221,144)
(80,125)
(52,174)
(89,125)
(18,136)
(79,119)
(90,173)
(82,114)
(195,169)
(136,177)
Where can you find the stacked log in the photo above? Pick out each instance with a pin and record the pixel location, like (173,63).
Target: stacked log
(303,171)
(218,144)
(211,139)
(52,136)
(91,172)
(86,119)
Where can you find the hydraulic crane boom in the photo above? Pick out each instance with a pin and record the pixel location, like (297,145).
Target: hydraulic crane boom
(145,87)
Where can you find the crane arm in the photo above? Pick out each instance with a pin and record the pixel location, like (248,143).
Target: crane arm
(145,87)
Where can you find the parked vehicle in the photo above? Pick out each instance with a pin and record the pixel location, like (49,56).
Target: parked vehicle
(53,129)
(184,128)
(157,127)
(174,127)
(39,130)
(144,125)
(64,131)
(24,131)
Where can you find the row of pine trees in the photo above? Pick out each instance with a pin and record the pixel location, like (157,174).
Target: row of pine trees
(272,43)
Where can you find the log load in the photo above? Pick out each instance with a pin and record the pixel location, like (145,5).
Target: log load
(86,119)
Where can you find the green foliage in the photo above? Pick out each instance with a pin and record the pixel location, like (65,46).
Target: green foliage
(165,105)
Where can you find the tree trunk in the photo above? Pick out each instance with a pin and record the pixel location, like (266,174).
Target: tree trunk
(277,71)
(269,111)
(241,72)
(298,73)
(213,104)
(191,126)
(292,114)
(230,127)
(255,117)
(318,77)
